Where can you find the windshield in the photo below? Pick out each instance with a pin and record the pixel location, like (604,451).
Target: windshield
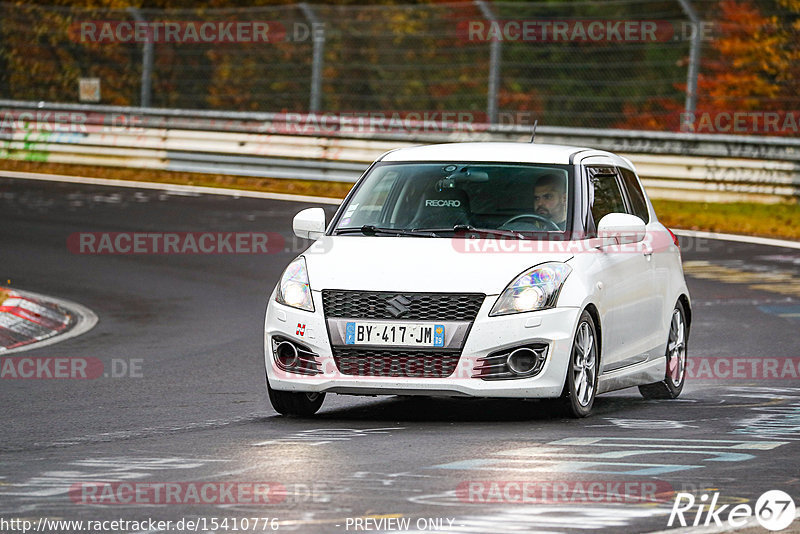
(438,199)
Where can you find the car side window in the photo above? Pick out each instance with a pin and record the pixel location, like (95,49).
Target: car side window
(606,195)
(635,194)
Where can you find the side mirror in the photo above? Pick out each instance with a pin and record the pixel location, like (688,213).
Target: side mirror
(620,228)
(309,223)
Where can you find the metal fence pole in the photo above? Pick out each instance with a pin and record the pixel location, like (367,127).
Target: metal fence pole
(318,41)
(494,65)
(5,85)
(694,58)
(147,61)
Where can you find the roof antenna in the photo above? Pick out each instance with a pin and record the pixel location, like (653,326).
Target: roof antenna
(533,134)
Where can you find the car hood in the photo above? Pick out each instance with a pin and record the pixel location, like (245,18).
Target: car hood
(419,264)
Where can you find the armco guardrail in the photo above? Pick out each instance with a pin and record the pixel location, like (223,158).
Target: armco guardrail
(712,168)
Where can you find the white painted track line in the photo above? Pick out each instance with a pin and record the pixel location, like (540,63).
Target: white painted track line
(177,188)
(740,238)
(321,200)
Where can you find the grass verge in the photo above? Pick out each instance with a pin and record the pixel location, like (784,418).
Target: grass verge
(3,295)
(767,220)
(271,185)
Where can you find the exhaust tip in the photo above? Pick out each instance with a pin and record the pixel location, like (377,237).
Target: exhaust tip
(286,354)
(523,361)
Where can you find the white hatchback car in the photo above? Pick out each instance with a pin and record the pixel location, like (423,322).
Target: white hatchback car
(484,270)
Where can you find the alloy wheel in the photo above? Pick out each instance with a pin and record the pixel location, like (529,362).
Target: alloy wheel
(584,359)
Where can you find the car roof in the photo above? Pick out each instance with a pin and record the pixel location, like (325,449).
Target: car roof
(493,151)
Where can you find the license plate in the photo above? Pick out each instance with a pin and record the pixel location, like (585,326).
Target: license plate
(406,335)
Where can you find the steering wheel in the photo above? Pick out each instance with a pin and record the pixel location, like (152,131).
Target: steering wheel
(544,220)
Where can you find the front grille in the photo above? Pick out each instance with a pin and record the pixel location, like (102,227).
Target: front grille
(411,363)
(406,306)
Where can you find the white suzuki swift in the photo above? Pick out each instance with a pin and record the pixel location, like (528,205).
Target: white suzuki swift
(482,270)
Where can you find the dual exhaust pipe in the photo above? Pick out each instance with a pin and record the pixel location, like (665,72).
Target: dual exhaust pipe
(508,364)
(286,354)
(523,361)
(293,357)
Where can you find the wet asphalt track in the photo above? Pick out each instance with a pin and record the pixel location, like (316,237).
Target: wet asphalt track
(199,412)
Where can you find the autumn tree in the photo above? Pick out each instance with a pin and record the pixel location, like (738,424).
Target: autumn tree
(749,65)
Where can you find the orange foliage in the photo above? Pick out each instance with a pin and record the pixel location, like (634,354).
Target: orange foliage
(750,65)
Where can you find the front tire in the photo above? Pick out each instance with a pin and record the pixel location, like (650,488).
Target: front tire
(295,403)
(580,386)
(672,385)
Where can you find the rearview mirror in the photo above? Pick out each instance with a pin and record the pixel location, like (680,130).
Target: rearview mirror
(620,228)
(309,223)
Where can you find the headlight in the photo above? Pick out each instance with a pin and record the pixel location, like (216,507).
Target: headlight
(294,289)
(535,289)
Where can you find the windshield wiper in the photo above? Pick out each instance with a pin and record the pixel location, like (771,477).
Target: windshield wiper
(369,229)
(469,228)
(490,231)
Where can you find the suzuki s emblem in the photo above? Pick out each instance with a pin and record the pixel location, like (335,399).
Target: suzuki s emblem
(397,305)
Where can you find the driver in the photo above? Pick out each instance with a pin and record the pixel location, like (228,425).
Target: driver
(550,199)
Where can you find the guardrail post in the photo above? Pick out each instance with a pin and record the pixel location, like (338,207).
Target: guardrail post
(494,65)
(694,58)
(318,42)
(147,60)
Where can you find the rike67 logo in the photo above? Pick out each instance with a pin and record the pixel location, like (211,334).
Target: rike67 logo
(774,510)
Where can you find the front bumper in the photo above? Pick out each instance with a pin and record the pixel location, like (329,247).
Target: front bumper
(555,327)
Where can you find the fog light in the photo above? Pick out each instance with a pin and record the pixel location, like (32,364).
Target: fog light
(522,361)
(286,354)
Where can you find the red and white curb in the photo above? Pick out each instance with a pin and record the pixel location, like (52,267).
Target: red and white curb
(29,320)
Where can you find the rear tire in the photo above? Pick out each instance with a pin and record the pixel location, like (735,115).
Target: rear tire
(295,403)
(676,355)
(580,386)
